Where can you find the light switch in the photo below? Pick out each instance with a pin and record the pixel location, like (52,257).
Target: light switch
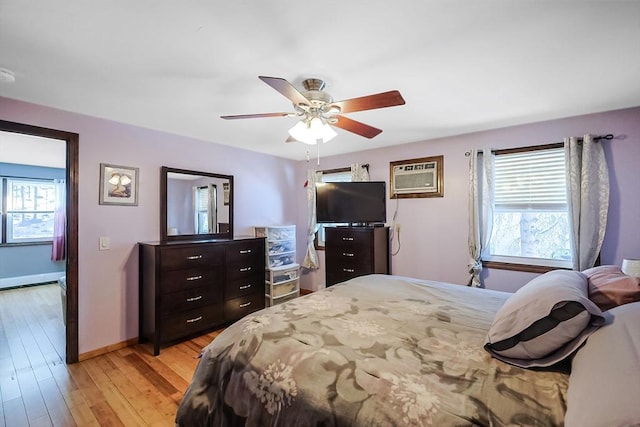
(104,243)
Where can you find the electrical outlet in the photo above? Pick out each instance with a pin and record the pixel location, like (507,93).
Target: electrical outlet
(105,243)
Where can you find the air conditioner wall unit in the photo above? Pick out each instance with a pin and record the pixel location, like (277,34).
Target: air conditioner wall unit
(414,178)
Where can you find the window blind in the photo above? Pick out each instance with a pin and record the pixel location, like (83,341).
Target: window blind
(530,180)
(203,198)
(337,177)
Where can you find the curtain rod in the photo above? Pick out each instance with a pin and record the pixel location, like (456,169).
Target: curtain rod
(607,137)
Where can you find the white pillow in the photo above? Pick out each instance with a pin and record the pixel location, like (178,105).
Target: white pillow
(544,321)
(604,386)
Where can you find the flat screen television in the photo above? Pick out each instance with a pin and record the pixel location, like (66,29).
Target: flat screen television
(356,203)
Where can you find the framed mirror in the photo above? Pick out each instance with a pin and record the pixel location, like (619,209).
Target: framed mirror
(195,205)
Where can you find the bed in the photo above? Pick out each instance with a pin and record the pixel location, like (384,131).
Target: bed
(374,351)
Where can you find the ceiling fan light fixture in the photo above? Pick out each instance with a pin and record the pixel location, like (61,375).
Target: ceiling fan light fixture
(312,131)
(334,109)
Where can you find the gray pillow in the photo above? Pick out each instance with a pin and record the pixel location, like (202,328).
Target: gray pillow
(544,321)
(605,374)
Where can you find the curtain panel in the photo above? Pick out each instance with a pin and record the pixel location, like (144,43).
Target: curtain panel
(480,210)
(58,252)
(311,257)
(588,198)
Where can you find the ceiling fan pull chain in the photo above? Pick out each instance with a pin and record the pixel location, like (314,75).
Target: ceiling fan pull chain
(318,145)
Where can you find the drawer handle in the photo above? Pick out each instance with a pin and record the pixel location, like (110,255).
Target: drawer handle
(246,304)
(245,269)
(195,319)
(245,251)
(348,239)
(194,257)
(245,287)
(194,278)
(348,270)
(199,297)
(347,254)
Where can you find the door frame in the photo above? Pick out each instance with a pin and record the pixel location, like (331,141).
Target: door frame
(72,166)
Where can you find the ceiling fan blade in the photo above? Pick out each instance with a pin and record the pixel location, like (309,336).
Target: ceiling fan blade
(370,102)
(255,116)
(356,127)
(285,88)
(291,139)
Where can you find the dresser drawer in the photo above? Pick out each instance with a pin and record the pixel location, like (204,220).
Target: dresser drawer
(236,308)
(241,287)
(190,299)
(178,280)
(179,325)
(345,271)
(351,237)
(193,256)
(349,256)
(247,252)
(244,270)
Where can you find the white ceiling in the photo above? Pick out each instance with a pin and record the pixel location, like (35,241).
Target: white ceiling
(461,66)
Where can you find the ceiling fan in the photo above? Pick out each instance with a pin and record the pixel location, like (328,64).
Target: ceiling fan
(317,111)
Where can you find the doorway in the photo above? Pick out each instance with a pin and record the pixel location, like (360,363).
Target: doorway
(71,264)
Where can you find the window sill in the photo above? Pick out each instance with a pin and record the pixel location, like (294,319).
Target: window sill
(520,267)
(38,243)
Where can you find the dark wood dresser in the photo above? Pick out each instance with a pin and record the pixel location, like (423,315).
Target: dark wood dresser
(189,288)
(355,251)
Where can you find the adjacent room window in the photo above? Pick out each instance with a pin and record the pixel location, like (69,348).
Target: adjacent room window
(530,212)
(202,210)
(334,175)
(27,210)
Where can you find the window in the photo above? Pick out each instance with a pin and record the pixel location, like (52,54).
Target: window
(27,210)
(335,175)
(206,209)
(530,212)
(202,209)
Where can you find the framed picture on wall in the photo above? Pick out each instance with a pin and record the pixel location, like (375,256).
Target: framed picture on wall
(414,178)
(118,185)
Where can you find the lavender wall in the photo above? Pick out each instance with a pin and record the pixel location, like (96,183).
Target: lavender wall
(269,190)
(108,280)
(433,239)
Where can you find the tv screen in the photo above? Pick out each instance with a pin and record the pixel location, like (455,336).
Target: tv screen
(351,202)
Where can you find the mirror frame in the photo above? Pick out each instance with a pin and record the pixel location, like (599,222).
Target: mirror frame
(164,237)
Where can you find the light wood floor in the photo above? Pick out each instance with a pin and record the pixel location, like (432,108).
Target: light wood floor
(127,387)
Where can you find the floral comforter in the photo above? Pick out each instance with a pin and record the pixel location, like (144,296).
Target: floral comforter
(374,351)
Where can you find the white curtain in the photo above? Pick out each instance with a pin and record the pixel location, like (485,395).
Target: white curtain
(58,252)
(588,197)
(480,209)
(212,209)
(359,172)
(311,258)
(196,213)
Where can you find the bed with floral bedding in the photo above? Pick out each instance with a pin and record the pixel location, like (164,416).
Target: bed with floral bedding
(374,351)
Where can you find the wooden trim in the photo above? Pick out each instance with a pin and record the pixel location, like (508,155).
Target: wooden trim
(520,267)
(305,291)
(338,170)
(72,172)
(107,349)
(530,148)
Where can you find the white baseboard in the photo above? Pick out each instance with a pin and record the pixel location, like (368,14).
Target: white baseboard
(11,282)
